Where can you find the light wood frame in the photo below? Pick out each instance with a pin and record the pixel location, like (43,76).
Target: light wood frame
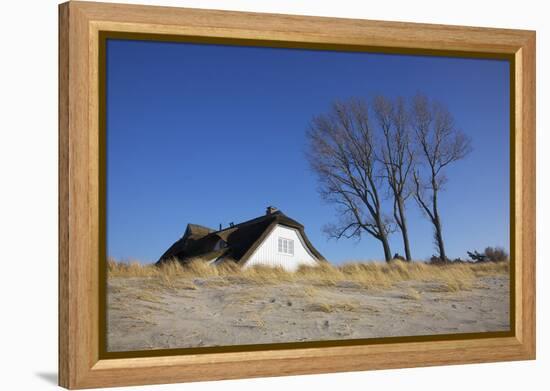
(80,365)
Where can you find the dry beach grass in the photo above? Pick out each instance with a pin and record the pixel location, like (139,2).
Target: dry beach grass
(173,306)
(452,277)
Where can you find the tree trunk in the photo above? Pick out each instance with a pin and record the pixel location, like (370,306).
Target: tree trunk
(439,241)
(438,230)
(386,245)
(382,236)
(404,230)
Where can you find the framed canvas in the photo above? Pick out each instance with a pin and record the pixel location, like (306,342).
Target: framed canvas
(246,195)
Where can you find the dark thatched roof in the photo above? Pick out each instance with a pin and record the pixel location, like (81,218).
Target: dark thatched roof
(240,240)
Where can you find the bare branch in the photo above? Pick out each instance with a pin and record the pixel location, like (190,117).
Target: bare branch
(397,156)
(342,151)
(440,143)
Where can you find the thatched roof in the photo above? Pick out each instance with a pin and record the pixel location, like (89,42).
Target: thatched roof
(193,234)
(240,239)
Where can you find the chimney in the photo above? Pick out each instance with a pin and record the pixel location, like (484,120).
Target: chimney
(270,210)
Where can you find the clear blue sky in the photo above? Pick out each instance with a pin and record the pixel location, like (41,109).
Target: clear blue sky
(212,134)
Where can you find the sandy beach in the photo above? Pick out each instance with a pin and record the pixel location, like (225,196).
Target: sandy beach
(215,311)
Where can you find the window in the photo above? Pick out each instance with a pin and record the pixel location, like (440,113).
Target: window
(286,246)
(219,245)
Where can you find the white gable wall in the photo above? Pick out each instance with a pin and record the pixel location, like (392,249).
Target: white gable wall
(267,253)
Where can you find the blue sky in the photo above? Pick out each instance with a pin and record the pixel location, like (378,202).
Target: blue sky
(212,134)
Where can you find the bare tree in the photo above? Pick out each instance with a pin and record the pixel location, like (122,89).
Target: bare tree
(397,158)
(342,153)
(440,143)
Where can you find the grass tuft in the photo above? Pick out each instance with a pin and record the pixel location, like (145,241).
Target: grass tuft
(411,294)
(333,307)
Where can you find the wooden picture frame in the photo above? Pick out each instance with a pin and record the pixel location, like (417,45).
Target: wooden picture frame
(81,364)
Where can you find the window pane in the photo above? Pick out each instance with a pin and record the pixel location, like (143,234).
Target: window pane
(285,246)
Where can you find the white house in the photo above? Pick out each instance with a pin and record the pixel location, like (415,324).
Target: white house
(270,240)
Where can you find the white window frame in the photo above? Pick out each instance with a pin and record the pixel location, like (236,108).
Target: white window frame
(285,246)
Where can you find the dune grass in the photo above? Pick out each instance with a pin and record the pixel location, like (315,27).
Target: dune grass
(451,277)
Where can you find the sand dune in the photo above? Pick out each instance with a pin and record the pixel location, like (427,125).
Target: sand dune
(213,311)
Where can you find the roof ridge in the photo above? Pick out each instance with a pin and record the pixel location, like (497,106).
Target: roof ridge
(200,226)
(254,220)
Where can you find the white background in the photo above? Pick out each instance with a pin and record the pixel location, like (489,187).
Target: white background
(28,194)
